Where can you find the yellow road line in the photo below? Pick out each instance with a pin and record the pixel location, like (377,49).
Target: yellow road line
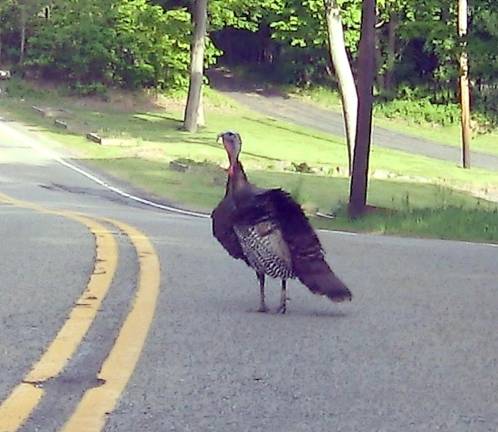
(16,408)
(97,402)
(25,397)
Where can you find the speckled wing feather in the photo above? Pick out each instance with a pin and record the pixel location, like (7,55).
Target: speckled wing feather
(265,249)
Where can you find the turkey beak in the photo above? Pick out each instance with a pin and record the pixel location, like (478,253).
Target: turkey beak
(219,136)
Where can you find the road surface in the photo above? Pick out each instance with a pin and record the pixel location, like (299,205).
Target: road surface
(120,317)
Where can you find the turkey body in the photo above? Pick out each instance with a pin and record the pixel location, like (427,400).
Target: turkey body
(268,230)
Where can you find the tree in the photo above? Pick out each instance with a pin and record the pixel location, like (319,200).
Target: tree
(344,74)
(26,9)
(390,57)
(464,83)
(5,6)
(15,16)
(193,109)
(366,76)
(23,17)
(98,43)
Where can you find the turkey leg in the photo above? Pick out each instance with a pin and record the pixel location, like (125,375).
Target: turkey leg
(283,298)
(262,305)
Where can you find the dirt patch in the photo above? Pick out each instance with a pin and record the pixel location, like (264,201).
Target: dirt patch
(115,99)
(120,101)
(222,78)
(489,193)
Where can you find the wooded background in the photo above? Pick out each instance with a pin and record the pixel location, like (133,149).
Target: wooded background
(90,45)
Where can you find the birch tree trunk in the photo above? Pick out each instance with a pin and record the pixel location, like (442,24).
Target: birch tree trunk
(194,111)
(464,83)
(366,77)
(23,33)
(344,74)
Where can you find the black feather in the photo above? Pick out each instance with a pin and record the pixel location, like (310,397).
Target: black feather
(308,257)
(223,217)
(272,223)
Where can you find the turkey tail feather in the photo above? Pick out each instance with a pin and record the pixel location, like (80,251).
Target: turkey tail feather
(321,280)
(307,253)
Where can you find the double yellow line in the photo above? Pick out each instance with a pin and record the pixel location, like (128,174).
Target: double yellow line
(96,403)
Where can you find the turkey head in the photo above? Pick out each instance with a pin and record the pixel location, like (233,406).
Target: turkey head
(233,144)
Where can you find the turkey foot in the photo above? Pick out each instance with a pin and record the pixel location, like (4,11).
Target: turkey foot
(281,309)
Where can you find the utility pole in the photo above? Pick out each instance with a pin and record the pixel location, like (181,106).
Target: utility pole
(464,83)
(366,76)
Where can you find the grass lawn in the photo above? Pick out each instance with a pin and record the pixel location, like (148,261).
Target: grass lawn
(419,210)
(449,135)
(143,138)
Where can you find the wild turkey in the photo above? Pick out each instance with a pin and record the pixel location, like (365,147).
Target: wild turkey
(268,230)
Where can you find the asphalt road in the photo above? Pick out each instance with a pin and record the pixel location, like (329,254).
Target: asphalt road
(275,105)
(416,350)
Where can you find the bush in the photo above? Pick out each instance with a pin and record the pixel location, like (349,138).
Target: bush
(18,88)
(420,111)
(132,44)
(90,89)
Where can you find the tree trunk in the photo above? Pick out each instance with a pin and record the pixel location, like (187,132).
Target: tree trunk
(366,77)
(344,74)
(194,106)
(464,83)
(392,26)
(379,81)
(201,121)
(23,34)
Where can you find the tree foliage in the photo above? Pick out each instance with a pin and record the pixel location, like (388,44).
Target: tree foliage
(131,44)
(136,43)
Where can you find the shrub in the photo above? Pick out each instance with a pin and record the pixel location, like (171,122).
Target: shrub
(130,44)
(89,89)
(420,111)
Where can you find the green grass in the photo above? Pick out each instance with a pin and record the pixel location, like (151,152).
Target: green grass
(268,144)
(449,135)
(469,224)
(320,95)
(414,209)
(146,138)
(204,184)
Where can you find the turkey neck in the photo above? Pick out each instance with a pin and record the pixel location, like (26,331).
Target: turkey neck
(237,178)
